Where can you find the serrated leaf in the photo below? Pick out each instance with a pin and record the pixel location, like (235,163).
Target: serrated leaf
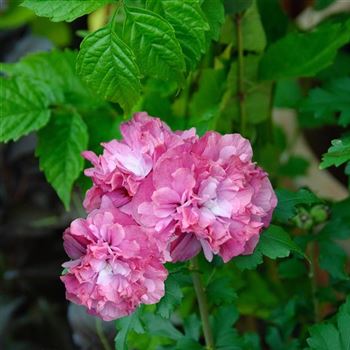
(276,243)
(59,150)
(124,326)
(288,201)
(334,97)
(24,108)
(189,23)
(327,336)
(171,299)
(63,10)
(249,262)
(215,14)
(337,154)
(153,41)
(108,65)
(159,326)
(304,54)
(221,291)
(54,74)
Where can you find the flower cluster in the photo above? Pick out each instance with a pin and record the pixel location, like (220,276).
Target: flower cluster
(161,196)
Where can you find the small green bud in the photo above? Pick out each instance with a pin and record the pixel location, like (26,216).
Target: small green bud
(303,219)
(319,213)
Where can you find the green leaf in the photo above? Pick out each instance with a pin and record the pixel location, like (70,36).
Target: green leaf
(233,7)
(331,99)
(276,243)
(327,336)
(215,14)
(304,54)
(333,259)
(287,94)
(156,325)
(192,327)
(221,291)
(249,262)
(288,201)
(225,336)
(189,23)
(54,73)
(291,268)
(171,299)
(59,150)
(153,41)
(24,108)
(337,154)
(108,65)
(124,326)
(64,10)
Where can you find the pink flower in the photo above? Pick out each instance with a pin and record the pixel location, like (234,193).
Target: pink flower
(206,194)
(124,164)
(115,264)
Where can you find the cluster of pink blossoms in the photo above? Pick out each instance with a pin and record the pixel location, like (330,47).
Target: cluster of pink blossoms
(160,196)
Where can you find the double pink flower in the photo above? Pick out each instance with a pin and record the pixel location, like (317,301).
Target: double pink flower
(161,196)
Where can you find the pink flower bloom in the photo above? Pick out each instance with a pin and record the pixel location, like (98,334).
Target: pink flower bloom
(124,164)
(115,264)
(207,194)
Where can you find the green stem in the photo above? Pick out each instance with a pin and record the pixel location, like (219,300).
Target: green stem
(240,74)
(313,281)
(202,304)
(101,335)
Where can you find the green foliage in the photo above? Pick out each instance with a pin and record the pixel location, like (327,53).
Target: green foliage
(304,54)
(108,65)
(63,10)
(337,154)
(190,25)
(24,108)
(288,201)
(330,336)
(60,145)
(331,99)
(215,14)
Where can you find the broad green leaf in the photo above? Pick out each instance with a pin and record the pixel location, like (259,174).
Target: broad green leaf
(288,200)
(337,154)
(171,299)
(64,10)
(328,336)
(54,73)
(333,98)
(108,65)
(276,243)
(215,14)
(333,259)
(189,23)
(24,108)
(287,93)
(124,326)
(221,291)
(156,325)
(304,54)
(249,262)
(59,150)
(152,39)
